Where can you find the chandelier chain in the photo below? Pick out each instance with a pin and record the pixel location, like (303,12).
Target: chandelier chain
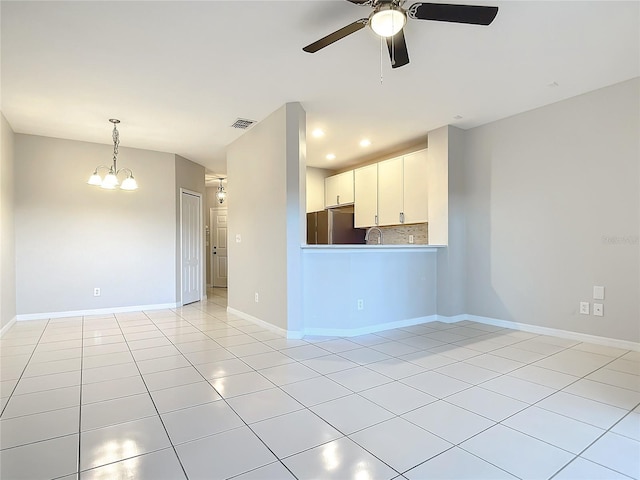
(116,142)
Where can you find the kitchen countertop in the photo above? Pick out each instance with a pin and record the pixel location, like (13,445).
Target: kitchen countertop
(364,248)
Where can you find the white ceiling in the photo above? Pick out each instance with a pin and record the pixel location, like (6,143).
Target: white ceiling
(177,74)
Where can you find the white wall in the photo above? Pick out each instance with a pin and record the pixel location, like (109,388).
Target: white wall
(7,225)
(315,188)
(437,183)
(72,237)
(190,176)
(265,175)
(553,207)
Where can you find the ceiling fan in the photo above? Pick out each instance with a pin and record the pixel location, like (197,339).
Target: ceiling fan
(389,18)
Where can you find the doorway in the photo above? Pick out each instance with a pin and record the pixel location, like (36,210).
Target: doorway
(218,242)
(190,246)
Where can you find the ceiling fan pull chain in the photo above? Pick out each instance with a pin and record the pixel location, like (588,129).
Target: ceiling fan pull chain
(393,49)
(381,55)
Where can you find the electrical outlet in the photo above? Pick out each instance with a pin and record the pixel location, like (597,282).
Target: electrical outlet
(96,292)
(410,238)
(598,293)
(257,297)
(238,238)
(584,308)
(360,304)
(598,309)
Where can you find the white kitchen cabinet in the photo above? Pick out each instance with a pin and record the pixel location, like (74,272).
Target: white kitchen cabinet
(415,197)
(402,190)
(338,189)
(366,196)
(390,187)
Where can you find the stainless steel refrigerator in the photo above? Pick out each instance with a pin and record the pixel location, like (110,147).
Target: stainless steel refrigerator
(333,227)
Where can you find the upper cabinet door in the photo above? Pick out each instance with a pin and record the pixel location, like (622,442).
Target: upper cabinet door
(331,189)
(390,188)
(366,196)
(338,189)
(346,187)
(415,188)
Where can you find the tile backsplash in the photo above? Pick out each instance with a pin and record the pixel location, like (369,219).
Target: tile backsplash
(399,234)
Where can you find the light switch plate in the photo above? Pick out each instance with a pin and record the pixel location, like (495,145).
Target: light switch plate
(598,309)
(598,293)
(238,238)
(584,308)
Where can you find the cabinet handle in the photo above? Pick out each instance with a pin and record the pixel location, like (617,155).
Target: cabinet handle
(338,199)
(401,217)
(376,219)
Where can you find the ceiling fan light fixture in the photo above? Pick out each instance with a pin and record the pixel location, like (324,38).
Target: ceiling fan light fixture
(387,20)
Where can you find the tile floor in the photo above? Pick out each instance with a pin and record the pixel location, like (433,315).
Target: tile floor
(201,394)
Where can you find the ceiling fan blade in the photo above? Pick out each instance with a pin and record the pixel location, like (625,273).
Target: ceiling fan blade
(337,35)
(398,50)
(441,12)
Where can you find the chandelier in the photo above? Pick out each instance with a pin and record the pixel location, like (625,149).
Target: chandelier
(110,181)
(221,194)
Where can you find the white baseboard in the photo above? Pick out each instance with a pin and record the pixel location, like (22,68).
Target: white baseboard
(555,332)
(452,319)
(332,332)
(6,328)
(96,311)
(267,325)
(354,332)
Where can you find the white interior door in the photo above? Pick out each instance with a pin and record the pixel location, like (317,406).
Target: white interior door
(219,266)
(191,247)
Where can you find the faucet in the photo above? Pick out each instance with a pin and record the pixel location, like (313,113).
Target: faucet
(366,237)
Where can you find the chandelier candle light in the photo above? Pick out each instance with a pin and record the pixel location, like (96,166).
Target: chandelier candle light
(110,181)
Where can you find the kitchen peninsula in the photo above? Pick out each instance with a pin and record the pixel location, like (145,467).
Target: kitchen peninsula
(357,289)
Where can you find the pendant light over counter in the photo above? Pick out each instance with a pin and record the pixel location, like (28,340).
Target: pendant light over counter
(110,181)
(221,194)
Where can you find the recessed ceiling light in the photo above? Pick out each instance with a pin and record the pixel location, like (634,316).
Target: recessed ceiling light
(330,156)
(318,133)
(365,142)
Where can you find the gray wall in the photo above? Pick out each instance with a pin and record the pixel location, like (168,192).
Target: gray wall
(552,209)
(190,176)
(72,237)
(264,173)
(448,141)
(7,226)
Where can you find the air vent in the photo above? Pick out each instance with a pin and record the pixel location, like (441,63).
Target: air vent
(243,123)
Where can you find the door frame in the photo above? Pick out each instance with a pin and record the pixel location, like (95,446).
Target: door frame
(212,212)
(203,294)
